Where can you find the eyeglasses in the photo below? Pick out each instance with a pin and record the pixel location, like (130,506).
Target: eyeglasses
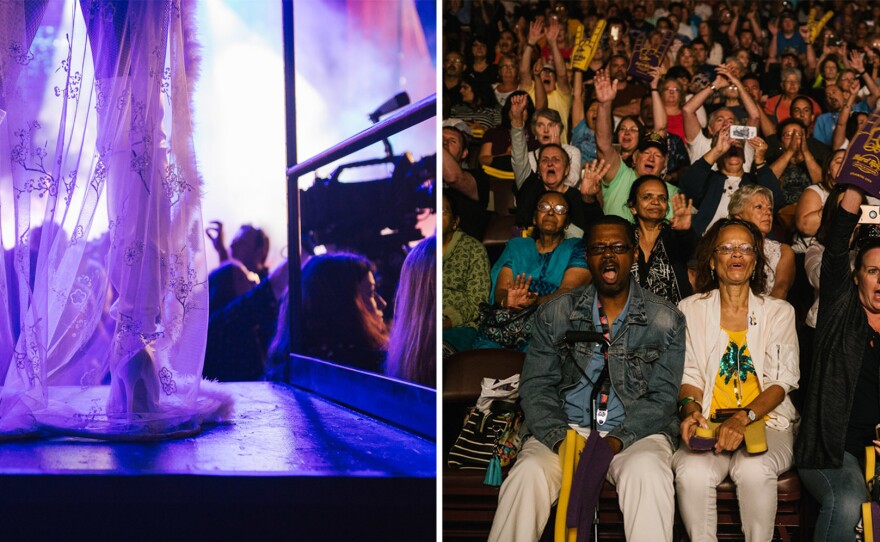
(630,129)
(559,208)
(617,248)
(672,90)
(745,249)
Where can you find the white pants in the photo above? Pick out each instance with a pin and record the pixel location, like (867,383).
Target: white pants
(642,474)
(697,475)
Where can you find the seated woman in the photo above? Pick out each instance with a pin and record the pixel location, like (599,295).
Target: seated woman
(534,270)
(754,203)
(547,126)
(664,247)
(478,107)
(808,214)
(342,311)
(711,189)
(797,167)
(841,404)
(741,352)
(465,282)
(554,167)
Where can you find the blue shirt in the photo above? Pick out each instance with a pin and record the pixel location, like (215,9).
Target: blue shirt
(823,128)
(796,41)
(584,139)
(577,399)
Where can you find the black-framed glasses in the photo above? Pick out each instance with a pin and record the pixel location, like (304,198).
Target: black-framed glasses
(559,208)
(745,249)
(617,248)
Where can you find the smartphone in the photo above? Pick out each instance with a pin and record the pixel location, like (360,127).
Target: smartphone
(870,214)
(743,132)
(615,32)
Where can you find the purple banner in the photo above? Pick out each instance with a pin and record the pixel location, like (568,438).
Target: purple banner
(648,53)
(861,167)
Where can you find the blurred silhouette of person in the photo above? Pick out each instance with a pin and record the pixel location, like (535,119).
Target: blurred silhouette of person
(412,351)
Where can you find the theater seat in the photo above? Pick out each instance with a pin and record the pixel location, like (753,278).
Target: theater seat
(468,505)
(500,230)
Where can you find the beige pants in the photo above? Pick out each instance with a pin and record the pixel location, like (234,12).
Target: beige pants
(641,473)
(697,474)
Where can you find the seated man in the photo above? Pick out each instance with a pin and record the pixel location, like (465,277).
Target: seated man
(645,364)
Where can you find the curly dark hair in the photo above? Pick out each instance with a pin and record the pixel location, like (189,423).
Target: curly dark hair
(706,280)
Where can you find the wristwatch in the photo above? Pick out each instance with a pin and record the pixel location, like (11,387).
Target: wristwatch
(751,414)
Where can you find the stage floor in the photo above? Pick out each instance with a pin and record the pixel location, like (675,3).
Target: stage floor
(290,462)
(277,430)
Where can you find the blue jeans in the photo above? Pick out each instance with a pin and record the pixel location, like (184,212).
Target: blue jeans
(840,493)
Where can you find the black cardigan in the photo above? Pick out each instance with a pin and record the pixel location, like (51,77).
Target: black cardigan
(839,348)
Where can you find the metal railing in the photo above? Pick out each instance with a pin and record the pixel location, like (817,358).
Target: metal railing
(399,121)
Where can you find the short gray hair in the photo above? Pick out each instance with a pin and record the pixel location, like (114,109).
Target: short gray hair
(743,194)
(791,71)
(550,114)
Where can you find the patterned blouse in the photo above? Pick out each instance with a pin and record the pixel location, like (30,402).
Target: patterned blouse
(465,279)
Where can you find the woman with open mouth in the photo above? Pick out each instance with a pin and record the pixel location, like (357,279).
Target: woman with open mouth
(741,362)
(840,413)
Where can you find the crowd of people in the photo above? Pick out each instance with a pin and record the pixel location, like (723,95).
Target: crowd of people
(692,213)
(343,318)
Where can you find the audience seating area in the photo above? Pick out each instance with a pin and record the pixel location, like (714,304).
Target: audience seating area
(469,506)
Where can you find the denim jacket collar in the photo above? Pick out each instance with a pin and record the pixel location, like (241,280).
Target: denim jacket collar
(583,309)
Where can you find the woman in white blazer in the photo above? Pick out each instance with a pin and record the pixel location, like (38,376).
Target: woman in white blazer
(741,352)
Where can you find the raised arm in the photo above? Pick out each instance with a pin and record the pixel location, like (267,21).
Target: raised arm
(519,153)
(577,99)
(558,62)
(689,110)
(749,104)
(661,121)
(839,135)
(858,64)
(456,177)
(772,53)
(606,90)
(812,63)
(536,32)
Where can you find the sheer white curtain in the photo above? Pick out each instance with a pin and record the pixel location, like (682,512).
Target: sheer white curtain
(106,286)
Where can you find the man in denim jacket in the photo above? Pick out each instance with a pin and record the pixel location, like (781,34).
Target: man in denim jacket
(645,362)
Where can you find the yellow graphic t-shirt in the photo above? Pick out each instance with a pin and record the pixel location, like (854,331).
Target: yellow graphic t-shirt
(736,384)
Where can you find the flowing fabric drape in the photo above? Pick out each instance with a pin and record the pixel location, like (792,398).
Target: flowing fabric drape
(105,288)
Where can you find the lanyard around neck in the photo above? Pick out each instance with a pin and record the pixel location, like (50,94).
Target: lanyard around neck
(601,388)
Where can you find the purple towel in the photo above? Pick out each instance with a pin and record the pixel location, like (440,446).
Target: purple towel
(875,519)
(586,484)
